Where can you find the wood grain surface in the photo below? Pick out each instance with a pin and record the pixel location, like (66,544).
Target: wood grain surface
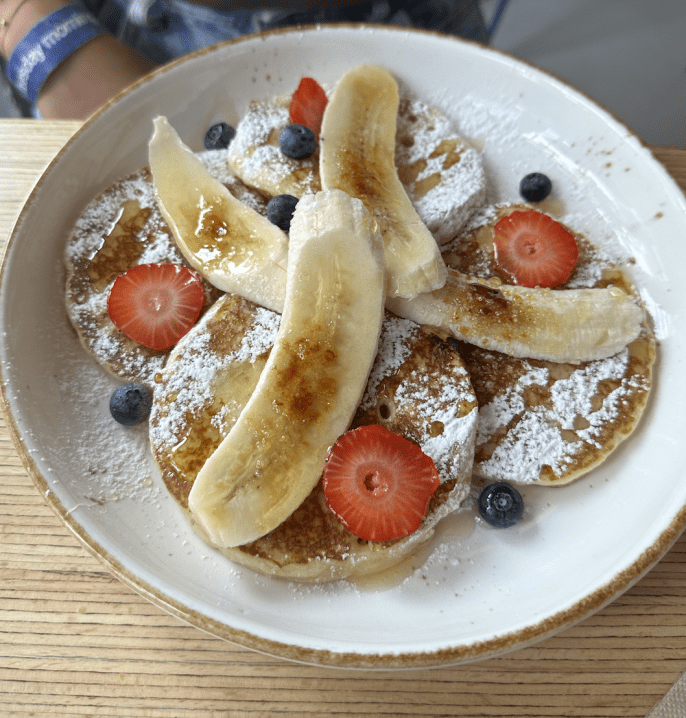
(74,641)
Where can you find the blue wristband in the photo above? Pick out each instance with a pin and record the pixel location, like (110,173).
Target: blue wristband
(46,45)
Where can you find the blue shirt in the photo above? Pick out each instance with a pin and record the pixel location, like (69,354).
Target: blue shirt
(166,29)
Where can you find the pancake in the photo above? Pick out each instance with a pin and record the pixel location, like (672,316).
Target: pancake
(418,388)
(118,229)
(442,174)
(543,422)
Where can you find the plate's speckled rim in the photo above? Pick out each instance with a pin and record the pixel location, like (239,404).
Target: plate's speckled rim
(411,660)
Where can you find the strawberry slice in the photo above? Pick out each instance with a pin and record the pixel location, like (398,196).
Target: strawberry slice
(533,249)
(156,304)
(307,104)
(378,484)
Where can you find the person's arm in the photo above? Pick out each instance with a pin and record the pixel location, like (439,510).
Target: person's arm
(84,80)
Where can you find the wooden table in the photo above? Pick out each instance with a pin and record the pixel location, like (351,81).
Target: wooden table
(75,641)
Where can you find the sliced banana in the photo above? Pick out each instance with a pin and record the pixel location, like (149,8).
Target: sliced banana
(235,248)
(357,155)
(314,378)
(567,325)
(556,325)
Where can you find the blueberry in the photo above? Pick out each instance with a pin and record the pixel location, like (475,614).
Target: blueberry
(297,141)
(219,136)
(501,505)
(280,210)
(535,186)
(130,404)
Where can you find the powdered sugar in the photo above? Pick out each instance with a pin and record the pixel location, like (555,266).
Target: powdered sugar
(500,412)
(260,338)
(550,433)
(452,170)
(452,446)
(433,400)
(115,460)
(393,350)
(98,219)
(194,366)
(255,156)
(519,457)
(573,396)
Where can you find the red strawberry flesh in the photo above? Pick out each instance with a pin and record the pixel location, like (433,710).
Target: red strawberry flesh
(307,104)
(156,304)
(534,250)
(378,483)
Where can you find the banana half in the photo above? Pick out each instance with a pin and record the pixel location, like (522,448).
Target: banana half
(314,378)
(235,248)
(357,155)
(565,325)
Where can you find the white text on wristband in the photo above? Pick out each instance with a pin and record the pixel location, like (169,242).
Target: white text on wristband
(46,45)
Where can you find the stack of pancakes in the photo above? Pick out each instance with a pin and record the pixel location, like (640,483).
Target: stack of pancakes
(536,422)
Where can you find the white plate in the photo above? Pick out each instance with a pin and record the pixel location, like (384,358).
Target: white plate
(482,591)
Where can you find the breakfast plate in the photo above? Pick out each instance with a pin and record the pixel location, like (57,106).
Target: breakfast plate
(475,591)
